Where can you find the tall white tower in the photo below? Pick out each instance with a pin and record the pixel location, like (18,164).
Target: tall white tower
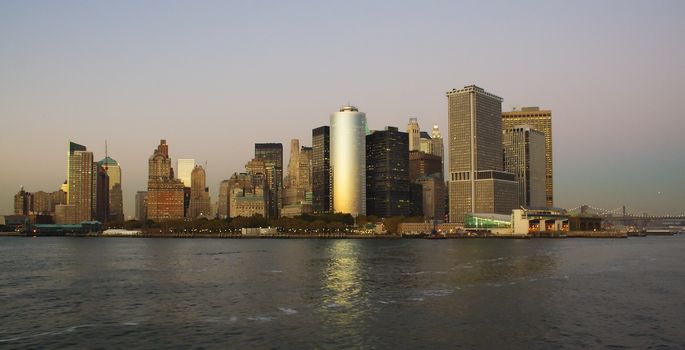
(348,161)
(414,135)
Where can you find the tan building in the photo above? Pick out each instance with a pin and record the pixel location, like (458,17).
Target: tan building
(298,182)
(222,204)
(81,178)
(65,214)
(540,120)
(199,194)
(477,182)
(247,195)
(164,193)
(414,134)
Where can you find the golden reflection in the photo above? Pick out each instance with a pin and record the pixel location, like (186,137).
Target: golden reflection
(341,277)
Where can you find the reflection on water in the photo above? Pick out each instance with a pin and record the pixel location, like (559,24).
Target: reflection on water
(156,293)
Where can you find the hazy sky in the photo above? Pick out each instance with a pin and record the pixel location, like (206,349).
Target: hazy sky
(213,78)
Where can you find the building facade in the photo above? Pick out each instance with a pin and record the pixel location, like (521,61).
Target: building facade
(414,133)
(348,161)
(524,156)
(165,194)
(200,203)
(423,164)
(387,173)
(321,170)
(272,155)
(540,120)
(477,182)
(141,206)
(116,198)
(185,167)
(81,180)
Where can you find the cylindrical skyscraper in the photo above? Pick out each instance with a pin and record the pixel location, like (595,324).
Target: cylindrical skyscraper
(348,161)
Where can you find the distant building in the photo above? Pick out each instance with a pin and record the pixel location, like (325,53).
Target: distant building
(23,202)
(298,183)
(185,169)
(477,182)
(100,201)
(348,161)
(425,143)
(414,133)
(524,156)
(165,194)
(200,204)
(433,197)
(246,195)
(222,205)
(65,214)
(438,148)
(423,164)
(321,170)
(387,173)
(272,155)
(540,120)
(116,198)
(141,205)
(81,178)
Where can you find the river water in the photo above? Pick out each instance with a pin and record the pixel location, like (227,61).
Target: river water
(252,294)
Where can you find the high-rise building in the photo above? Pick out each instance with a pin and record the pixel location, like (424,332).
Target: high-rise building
(81,179)
(248,192)
(141,205)
(116,199)
(423,164)
(438,148)
(425,143)
(272,155)
(524,156)
(540,120)
(200,204)
(185,168)
(433,197)
(387,173)
(165,194)
(23,202)
(321,170)
(298,183)
(477,182)
(222,205)
(100,200)
(414,133)
(348,161)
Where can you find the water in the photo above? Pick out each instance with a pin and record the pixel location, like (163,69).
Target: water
(203,293)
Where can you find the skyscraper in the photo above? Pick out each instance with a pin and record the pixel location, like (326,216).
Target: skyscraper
(199,195)
(438,148)
(524,156)
(477,183)
(272,155)
(100,193)
(423,164)
(222,205)
(540,120)
(414,133)
(165,194)
(321,170)
(185,168)
(387,173)
(116,206)
(348,161)
(81,178)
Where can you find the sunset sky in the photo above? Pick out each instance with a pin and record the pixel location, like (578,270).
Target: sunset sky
(213,78)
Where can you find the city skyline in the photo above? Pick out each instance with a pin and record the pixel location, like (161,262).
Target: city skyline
(623,162)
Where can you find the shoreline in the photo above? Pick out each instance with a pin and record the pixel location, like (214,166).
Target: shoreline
(181,235)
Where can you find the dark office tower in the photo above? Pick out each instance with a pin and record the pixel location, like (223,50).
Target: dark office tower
(272,155)
(477,182)
(116,206)
(321,170)
(100,202)
(387,173)
(424,164)
(540,120)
